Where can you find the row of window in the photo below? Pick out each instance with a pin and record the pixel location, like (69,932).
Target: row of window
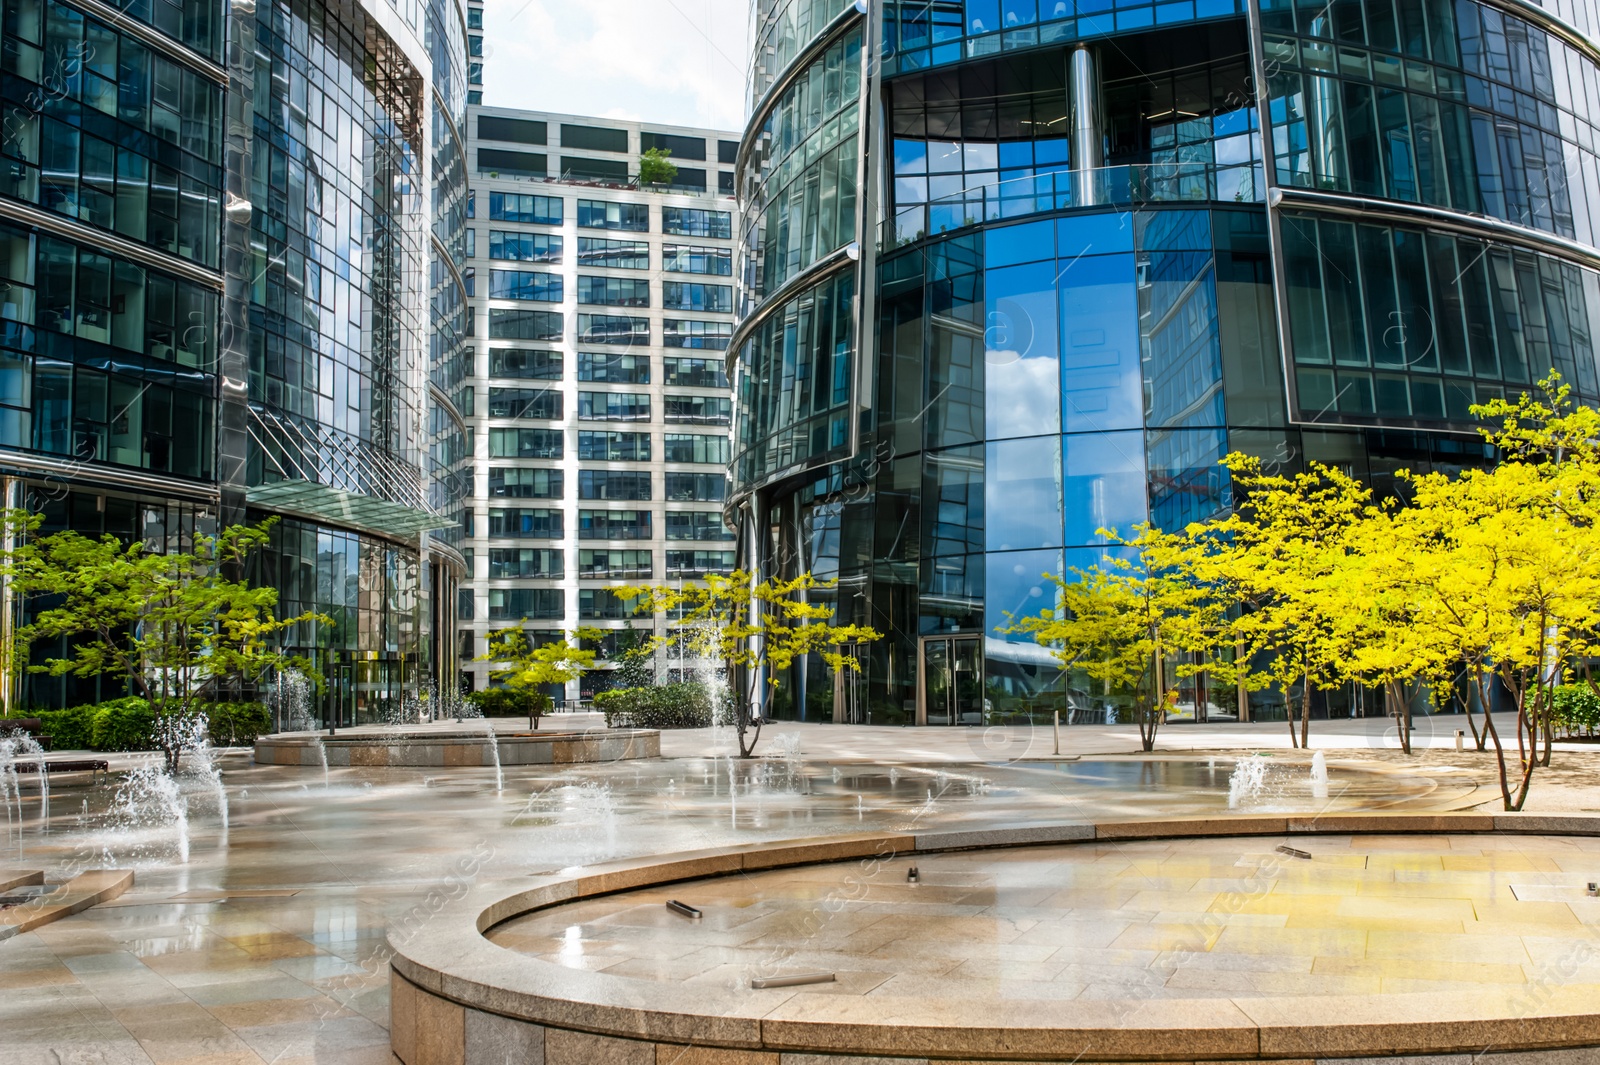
(546,403)
(611,367)
(603,214)
(517,482)
(599,446)
(547,523)
(594,604)
(615,563)
(605,253)
(610,291)
(515,323)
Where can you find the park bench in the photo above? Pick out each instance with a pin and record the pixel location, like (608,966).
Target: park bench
(64,765)
(31,725)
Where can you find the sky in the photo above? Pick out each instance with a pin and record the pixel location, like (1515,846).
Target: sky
(678,62)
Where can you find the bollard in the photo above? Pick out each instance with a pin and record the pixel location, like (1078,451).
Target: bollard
(1459,735)
(1058,731)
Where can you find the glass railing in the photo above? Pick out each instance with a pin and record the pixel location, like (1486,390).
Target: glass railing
(1117,187)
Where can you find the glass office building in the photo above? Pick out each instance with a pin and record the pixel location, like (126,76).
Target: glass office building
(1014,271)
(220,223)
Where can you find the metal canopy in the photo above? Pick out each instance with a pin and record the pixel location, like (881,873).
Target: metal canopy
(318,502)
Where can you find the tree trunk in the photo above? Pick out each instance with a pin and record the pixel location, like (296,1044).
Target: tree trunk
(1398,710)
(1305,712)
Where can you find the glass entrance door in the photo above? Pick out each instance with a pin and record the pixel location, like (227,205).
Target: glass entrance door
(952,680)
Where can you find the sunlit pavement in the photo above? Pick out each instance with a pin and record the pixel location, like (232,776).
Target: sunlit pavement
(268,945)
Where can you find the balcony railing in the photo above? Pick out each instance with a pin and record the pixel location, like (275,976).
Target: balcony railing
(1121,187)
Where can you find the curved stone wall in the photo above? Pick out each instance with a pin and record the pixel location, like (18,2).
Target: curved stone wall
(459,999)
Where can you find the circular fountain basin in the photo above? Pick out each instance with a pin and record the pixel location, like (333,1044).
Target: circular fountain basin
(1267,938)
(465,749)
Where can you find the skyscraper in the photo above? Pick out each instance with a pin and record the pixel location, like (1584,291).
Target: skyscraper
(1019,271)
(220,230)
(602,310)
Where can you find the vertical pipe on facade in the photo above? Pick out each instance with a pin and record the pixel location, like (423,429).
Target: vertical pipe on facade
(10,669)
(1087,141)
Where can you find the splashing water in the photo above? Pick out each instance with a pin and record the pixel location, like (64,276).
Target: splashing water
(149,817)
(322,757)
(578,823)
(290,702)
(1246,783)
(1319,776)
(494,750)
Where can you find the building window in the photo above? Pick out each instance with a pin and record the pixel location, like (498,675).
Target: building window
(623,485)
(542,403)
(614,447)
(695,447)
(608,254)
(697,487)
(508,323)
(697,525)
(603,214)
(516,482)
(525,523)
(516,130)
(684,333)
(692,296)
(602,604)
(525,247)
(613,525)
(613,406)
(498,161)
(526,208)
(524,285)
(675,144)
(690,563)
(614,291)
(547,604)
(692,259)
(527,363)
(615,563)
(695,222)
(693,373)
(594,138)
(542,563)
(613,367)
(618,329)
(525,443)
(698,410)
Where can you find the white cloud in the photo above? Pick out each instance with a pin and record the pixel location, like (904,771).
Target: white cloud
(678,62)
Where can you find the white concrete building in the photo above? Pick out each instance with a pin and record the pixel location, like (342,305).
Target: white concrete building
(601,313)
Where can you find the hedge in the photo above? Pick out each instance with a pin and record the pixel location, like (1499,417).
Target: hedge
(510,702)
(683,705)
(1577,707)
(128,724)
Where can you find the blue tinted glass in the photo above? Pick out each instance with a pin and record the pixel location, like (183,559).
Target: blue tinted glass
(1022,493)
(983,16)
(1094,234)
(1186,482)
(1103,484)
(1015,584)
(1022,366)
(1101,377)
(1026,243)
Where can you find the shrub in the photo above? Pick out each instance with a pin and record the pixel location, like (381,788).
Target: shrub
(236,724)
(69,730)
(123,725)
(510,702)
(1576,707)
(685,705)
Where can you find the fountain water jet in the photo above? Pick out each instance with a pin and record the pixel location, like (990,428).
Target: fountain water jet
(1248,778)
(1319,776)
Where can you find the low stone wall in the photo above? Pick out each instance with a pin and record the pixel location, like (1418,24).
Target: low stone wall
(458,999)
(459,749)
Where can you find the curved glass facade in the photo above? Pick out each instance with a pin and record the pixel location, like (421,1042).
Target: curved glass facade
(1103,266)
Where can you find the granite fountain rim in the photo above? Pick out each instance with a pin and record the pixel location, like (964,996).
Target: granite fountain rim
(448,956)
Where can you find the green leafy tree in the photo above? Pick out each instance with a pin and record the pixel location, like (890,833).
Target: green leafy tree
(523,666)
(655,168)
(636,653)
(182,627)
(757,629)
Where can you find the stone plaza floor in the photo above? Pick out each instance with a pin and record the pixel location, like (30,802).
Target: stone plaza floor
(268,944)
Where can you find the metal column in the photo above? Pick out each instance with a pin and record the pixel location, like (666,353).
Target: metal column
(1088,151)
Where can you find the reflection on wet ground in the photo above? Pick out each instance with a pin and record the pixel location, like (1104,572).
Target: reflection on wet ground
(200,961)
